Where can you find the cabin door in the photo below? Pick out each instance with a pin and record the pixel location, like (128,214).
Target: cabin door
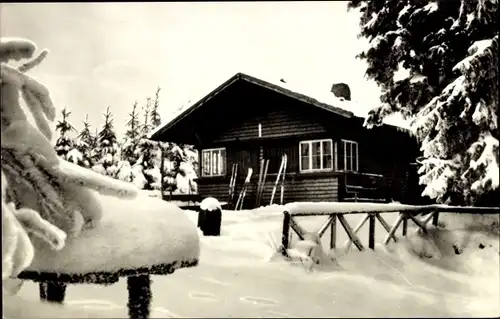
(247,157)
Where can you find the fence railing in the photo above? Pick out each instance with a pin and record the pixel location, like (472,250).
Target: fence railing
(336,212)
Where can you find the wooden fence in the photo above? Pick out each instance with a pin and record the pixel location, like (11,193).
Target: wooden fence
(336,212)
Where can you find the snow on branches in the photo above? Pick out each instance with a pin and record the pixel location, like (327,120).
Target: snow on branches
(475,149)
(448,51)
(42,196)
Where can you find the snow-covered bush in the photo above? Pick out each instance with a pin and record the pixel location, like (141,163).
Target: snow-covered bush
(149,161)
(179,168)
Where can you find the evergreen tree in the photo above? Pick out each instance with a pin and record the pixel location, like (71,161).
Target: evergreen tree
(146,125)
(150,154)
(132,136)
(64,143)
(107,148)
(155,116)
(180,168)
(85,144)
(449,51)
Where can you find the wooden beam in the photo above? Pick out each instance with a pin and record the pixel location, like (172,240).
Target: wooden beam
(371,231)
(162,171)
(333,232)
(351,233)
(435,218)
(285,233)
(386,226)
(398,222)
(405,225)
(348,242)
(429,217)
(325,226)
(417,222)
(298,230)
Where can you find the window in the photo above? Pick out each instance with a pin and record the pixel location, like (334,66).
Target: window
(348,156)
(316,155)
(214,162)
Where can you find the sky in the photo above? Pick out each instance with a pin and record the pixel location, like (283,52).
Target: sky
(113,54)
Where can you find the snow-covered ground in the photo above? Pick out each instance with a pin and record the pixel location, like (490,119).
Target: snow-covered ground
(236,279)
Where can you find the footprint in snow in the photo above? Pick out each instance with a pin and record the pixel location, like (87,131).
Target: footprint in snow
(202,295)
(215,281)
(259,301)
(160,312)
(94,304)
(279,314)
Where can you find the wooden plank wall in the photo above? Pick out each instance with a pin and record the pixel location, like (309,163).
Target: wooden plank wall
(276,123)
(315,189)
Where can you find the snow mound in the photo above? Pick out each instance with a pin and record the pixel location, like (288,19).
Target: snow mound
(466,244)
(142,232)
(210,204)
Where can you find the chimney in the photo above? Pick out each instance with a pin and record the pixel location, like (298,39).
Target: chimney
(341,90)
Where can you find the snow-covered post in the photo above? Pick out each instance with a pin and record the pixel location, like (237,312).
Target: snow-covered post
(210,217)
(285,232)
(162,168)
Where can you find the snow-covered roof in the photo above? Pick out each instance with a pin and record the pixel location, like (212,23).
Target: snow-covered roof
(323,99)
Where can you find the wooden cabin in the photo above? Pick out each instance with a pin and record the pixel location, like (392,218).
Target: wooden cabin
(331,156)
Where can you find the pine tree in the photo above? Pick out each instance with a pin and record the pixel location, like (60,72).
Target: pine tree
(181,173)
(107,148)
(449,50)
(150,155)
(64,143)
(155,116)
(146,125)
(85,144)
(132,135)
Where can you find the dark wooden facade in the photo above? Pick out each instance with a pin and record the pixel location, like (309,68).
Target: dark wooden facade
(252,119)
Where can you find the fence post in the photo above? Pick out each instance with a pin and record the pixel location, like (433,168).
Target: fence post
(435,218)
(405,223)
(286,230)
(333,232)
(371,233)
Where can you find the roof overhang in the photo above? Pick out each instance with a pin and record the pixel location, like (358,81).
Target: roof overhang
(160,130)
(155,135)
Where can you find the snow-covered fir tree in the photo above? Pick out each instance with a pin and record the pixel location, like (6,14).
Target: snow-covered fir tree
(146,122)
(84,151)
(132,136)
(130,151)
(448,54)
(149,160)
(179,168)
(64,143)
(107,148)
(155,115)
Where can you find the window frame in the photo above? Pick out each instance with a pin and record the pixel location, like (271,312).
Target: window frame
(344,155)
(309,143)
(223,162)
